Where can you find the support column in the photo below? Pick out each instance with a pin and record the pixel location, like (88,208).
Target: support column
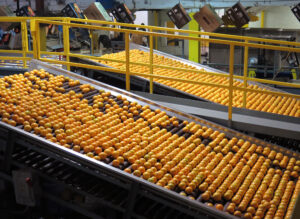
(194,46)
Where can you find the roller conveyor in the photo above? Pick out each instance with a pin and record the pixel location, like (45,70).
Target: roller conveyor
(61,164)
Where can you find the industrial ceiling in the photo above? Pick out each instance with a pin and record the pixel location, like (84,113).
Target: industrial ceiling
(192,4)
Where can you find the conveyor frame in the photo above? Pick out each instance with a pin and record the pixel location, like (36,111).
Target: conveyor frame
(119,177)
(166,90)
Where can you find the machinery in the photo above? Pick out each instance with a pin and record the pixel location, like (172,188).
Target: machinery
(41,170)
(249,121)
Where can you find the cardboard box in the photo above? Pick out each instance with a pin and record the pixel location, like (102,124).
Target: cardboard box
(5,11)
(179,16)
(208,19)
(236,15)
(96,12)
(122,14)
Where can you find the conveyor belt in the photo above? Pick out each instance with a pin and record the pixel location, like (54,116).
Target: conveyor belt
(160,88)
(278,126)
(138,80)
(154,192)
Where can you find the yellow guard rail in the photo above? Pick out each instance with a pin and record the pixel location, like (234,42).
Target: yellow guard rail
(231,40)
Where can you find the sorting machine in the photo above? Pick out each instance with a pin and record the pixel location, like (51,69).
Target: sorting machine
(41,171)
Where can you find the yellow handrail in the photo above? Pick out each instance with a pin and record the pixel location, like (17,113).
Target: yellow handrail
(246,42)
(231,76)
(228,36)
(217,41)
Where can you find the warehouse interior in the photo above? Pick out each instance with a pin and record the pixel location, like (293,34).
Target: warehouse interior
(149,109)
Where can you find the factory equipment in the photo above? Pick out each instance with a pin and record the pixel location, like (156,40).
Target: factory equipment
(117,186)
(164,87)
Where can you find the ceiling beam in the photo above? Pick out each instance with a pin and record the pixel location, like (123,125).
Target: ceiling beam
(195,4)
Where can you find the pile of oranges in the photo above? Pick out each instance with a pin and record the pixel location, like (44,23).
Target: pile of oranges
(203,164)
(255,101)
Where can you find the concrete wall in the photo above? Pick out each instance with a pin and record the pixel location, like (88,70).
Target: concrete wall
(141,17)
(278,17)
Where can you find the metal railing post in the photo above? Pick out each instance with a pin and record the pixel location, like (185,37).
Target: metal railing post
(246,54)
(231,70)
(156,24)
(151,61)
(66,41)
(38,38)
(127,61)
(24,41)
(33,30)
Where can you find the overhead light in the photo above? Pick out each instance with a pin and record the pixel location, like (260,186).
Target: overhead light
(179,16)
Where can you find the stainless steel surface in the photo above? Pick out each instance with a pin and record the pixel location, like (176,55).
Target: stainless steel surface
(80,158)
(194,64)
(257,122)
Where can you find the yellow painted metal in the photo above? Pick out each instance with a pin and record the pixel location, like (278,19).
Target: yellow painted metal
(51,53)
(34,24)
(170,25)
(66,41)
(92,41)
(127,50)
(11,51)
(15,58)
(24,41)
(297,96)
(227,36)
(43,38)
(154,28)
(199,71)
(252,73)
(156,24)
(262,19)
(151,63)
(194,44)
(33,30)
(231,72)
(274,82)
(168,78)
(82,65)
(294,73)
(246,53)
(216,41)
(38,38)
